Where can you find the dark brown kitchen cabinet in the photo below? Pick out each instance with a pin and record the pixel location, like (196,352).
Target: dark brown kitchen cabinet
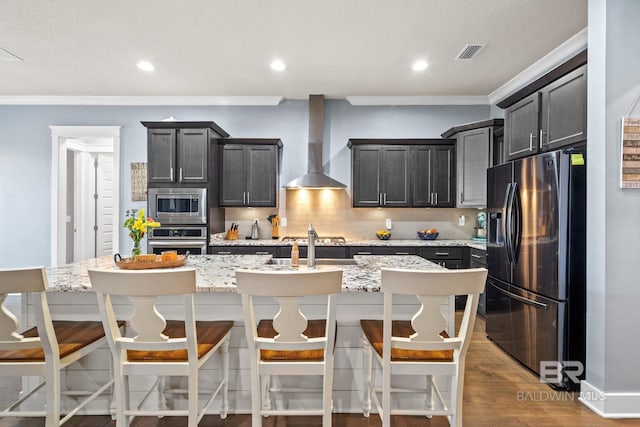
(564,110)
(381,176)
(550,113)
(478,259)
(382,250)
(178,152)
(451,257)
(476,148)
(242,250)
(434,176)
(335,252)
(403,173)
(249,172)
(522,126)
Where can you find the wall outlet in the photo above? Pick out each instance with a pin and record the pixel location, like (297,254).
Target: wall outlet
(461,220)
(388,224)
(283,222)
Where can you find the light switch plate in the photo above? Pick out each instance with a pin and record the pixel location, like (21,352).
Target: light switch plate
(461,220)
(283,222)
(388,223)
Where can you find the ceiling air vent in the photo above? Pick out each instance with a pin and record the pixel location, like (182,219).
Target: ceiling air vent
(470,51)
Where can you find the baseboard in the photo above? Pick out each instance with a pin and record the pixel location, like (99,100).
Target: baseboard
(610,405)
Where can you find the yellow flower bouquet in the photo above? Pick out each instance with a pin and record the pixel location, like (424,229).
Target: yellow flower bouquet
(137,225)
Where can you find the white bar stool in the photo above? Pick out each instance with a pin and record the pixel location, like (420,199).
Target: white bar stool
(161,347)
(289,344)
(45,349)
(420,346)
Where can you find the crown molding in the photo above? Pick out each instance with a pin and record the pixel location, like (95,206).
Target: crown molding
(140,100)
(557,56)
(418,100)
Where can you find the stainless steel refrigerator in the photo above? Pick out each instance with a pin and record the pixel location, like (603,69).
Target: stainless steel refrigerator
(536,255)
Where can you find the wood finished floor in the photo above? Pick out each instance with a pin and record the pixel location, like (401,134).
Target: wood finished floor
(492,383)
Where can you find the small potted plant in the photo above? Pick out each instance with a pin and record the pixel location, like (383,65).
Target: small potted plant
(137,225)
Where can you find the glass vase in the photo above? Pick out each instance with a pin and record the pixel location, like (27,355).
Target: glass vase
(136,249)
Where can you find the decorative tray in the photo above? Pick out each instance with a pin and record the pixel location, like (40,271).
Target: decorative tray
(129,264)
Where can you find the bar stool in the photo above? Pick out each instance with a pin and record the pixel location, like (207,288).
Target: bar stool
(421,345)
(160,347)
(45,349)
(289,344)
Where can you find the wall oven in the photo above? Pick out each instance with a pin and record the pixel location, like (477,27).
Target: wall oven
(180,239)
(178,205)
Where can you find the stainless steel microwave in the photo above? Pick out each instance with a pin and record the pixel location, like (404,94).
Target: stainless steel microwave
(178,205)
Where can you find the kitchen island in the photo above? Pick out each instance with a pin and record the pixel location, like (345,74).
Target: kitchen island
(70,297)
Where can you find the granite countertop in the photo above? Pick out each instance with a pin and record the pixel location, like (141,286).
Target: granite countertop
(216,273)
(375,242)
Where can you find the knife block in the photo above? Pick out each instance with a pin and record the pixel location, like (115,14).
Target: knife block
(275,231)
(232,235)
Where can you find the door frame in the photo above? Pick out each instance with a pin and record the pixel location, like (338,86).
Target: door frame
(59,137)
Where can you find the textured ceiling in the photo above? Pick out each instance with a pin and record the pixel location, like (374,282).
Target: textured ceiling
(223,47)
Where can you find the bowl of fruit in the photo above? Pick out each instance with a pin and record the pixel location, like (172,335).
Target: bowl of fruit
(428,234)
(383,234)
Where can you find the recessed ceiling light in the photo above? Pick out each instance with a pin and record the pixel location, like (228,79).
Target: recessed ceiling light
(145,66)
(5,55)
(278,65)
(419,65)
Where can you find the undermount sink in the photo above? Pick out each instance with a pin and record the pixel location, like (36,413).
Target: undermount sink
(319,261)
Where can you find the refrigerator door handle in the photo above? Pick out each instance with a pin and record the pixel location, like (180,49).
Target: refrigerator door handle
(522,299)
(508,239)
(516,226)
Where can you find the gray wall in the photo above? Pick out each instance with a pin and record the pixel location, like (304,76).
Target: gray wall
(613,239)
(25,147)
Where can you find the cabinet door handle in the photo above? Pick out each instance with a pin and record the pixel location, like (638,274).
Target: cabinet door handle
(475,256)
(248,199)
(244,197)
(436,203)
(530,142)
(384,199)
(262,253)
(431,199)
(402,253)
(171,173)
(364,253)
(180,174)
(380,199)
(541,140)
(223,253)
(442,253)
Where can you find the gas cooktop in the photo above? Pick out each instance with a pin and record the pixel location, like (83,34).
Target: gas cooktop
(303,240)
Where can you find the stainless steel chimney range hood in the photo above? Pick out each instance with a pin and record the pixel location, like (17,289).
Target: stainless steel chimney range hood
(314,178)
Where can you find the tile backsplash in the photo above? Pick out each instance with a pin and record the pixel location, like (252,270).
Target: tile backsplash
(331,214)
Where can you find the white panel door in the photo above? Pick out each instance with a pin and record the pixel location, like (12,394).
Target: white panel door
(105,205)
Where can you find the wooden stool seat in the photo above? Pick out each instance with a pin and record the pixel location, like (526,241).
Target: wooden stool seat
(71,336)
(402,328)
(315,329)
(210,334)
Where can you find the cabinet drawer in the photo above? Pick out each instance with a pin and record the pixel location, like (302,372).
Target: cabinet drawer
(242,250)
(478,258)
(339,252)
(444,252)
(383,250)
